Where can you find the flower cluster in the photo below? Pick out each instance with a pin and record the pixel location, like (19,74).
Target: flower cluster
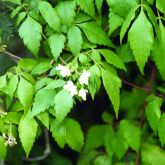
(64,70)
(70,86)
(10,140)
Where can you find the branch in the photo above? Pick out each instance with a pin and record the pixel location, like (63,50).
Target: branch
(150,86)
(14,57)
(135,86)
(47,150)
(63,61)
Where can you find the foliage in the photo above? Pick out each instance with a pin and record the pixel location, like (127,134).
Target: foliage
(78,51)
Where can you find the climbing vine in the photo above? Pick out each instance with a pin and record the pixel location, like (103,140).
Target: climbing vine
(78,52)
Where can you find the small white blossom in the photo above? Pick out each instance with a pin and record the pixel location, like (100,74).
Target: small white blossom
(64,70)
(84,77)
(82,93)
(71,88)
(10,140)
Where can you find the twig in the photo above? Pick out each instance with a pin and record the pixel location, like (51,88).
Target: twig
(150,86)
(10,54)
(151,82)
(135,86)
(47,150)
(63,61)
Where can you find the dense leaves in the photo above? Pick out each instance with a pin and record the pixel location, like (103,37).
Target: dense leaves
(91,72)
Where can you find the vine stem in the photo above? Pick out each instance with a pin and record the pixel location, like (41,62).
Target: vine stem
(150,87)
(10,54)
(135,86)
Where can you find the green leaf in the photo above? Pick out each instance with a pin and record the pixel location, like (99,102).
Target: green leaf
(27,132)
(103,160)
(121,7)
(58,132)
(12,86)
(94,84)
(112,58)
(158,53)
(16,11)
(43,100)
(3,82)
(75,40)
(107,118)
(42,82)
(27,64)
(69,132)
(131,133)
(18,2)
(3,148)
(27,76)
(87,158)
(91,141)
(20,18)
(41,68)
(160,4)
(112,85)
(29,31)
(115,143)
(153,19)
(83,58)
(82,17)
(141,40)
(25,92)
(63,104)
(153,113)
(152,154)
(49,15)
(99,4)
(56,42)
(66,12)
(87,6)
(96,55)
(55,84)
(95,33)
(44,118)
(115,21)
(161,130)
(127,22)
(125,53)
(12,117)
(151,2)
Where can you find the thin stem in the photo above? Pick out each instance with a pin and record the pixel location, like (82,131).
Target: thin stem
(63,61)
(134,85)
(10,54)
(150,87)
(158,13)
(44,36)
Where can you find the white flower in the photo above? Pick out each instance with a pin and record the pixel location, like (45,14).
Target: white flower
(71,88)
(10,140)
(64,70)
(84,77)
(82,93)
